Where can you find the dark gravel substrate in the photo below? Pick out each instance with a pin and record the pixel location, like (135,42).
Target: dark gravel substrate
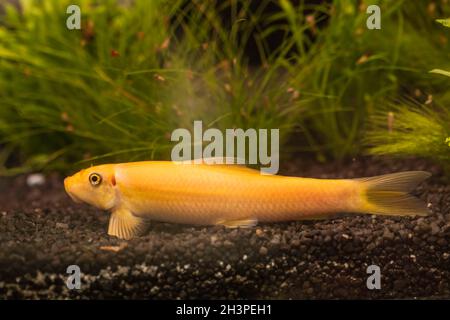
(42,232)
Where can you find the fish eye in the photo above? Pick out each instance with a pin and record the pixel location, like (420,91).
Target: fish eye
(95,179)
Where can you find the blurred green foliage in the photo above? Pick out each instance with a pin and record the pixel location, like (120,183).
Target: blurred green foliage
(415,129)
(117,88)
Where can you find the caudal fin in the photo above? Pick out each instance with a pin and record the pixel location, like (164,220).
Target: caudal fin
(388,194)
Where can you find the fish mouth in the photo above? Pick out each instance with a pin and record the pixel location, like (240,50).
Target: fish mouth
(71,195)
(74,198)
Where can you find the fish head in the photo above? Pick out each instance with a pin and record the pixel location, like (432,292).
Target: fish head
(95,186)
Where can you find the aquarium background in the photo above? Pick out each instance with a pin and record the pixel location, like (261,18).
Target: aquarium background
(349,102)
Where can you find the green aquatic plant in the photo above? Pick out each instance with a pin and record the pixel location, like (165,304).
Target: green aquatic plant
(413,129)
(439,71)
(444,22)
(117,88)
(69,95)
(353,70)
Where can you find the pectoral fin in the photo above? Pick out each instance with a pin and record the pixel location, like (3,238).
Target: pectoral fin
(242,223)
(124,225)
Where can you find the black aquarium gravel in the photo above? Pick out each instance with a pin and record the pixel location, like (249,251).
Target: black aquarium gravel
(42,232)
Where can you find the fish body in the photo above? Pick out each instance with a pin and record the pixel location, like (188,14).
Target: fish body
(206,194)
(231,195)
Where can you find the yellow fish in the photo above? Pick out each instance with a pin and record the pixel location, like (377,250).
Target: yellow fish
(232,195)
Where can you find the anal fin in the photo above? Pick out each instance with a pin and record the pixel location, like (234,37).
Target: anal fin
(241,223)
(124,225)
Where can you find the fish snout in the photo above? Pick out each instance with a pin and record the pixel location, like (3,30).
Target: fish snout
(69,191)
(67,184)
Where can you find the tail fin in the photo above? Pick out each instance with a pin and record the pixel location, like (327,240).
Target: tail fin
(388,194)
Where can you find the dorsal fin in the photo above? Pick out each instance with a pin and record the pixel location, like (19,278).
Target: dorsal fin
(215,160)
(226,163)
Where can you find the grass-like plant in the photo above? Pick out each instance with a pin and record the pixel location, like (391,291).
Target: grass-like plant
(75,94)
(415,129)
(115,90)
(354,70)
(411,129)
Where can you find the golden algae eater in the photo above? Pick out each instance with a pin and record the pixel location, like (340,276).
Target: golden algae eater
(232,195)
